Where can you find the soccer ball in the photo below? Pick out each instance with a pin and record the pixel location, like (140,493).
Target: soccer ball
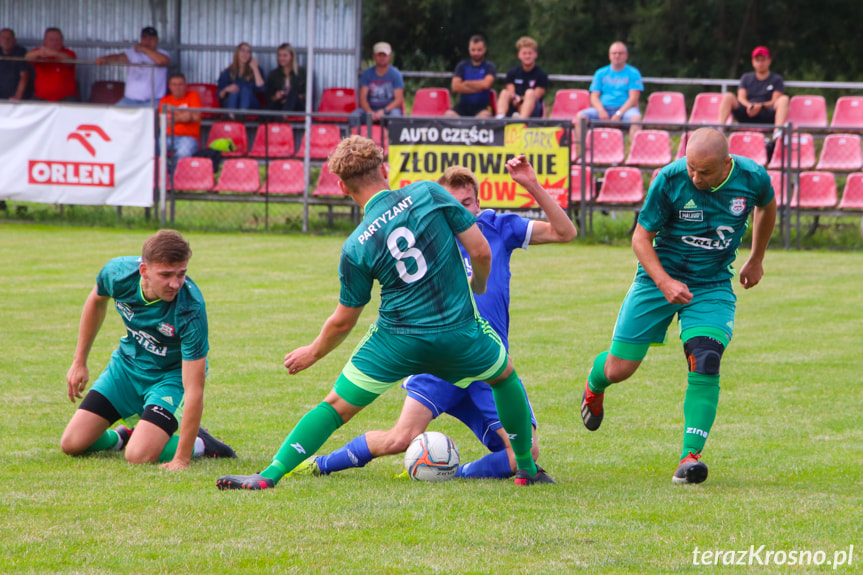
(431,456)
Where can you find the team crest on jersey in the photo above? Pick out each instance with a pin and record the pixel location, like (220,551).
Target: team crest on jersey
(738,206)
(125,310)
(166,329)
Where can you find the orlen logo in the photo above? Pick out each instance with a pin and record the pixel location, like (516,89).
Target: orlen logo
(52,172)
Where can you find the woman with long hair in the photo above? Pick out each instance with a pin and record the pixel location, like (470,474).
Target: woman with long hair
(286,85)
(239,81)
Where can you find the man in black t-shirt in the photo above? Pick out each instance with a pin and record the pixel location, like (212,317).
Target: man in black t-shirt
(15,75)
(760,98)
(525,85)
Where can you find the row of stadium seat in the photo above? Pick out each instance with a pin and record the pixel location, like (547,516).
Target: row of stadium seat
(816,190)
(243,175)
(841,152)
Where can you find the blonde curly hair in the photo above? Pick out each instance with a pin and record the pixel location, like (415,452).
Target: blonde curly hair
(355,159)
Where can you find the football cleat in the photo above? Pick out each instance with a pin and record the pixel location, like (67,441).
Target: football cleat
(125,434)
(690,470)
(522,477)
(254,482)
(215,448)
(307,467)
(591,408)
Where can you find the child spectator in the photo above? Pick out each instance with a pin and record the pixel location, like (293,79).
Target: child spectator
(525,85)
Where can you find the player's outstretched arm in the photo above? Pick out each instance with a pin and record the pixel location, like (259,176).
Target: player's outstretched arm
(478,250)
(92,317)
(763,220)
(673,290)
(194,375)
(559,228)
(335,330)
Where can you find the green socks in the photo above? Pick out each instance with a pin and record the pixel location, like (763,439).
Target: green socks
(108,440)
(304,440)
(699,411)
(596,380)
(514,413)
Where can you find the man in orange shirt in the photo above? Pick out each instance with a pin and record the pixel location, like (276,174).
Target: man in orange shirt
(184,124)
(54,82)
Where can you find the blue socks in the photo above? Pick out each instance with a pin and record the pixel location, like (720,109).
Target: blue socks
(354,454)
(495,465)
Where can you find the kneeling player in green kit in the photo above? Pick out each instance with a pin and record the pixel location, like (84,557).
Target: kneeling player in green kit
(686,239)
(158,369)
(427,323)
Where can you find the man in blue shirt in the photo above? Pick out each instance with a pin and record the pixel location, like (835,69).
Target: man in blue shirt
(382,88)
(473,80)
(429,396)
(614,92)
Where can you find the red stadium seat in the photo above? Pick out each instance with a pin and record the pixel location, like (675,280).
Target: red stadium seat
(431,102)
(604,146)
(285,177)
(776,182)
(705,109)
(328,184)
(817,190)
(106,92)
(848,112)
(568,103)
(239,175)
(654,174)
(621,186)
(324,139)
(273,141)
(852,196)
(194,174)
(575,195)
(748,144)
(666,108)
(681,146)
(379,135)
(806,153)
(492,101)
(337,101)
(841,152)
(234,131)
(209,94)
(809,111)
(650,148)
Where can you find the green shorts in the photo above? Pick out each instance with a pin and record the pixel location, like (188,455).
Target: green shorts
(645,314)
(382,359)
(129,390)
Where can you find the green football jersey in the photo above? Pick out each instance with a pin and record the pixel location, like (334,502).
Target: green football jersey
(159,334)
(406,241)
(699,231)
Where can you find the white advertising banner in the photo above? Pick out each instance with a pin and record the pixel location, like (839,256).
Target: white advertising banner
(80,155)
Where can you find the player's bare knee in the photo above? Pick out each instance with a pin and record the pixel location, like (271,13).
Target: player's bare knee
(140,456)
(71,446)
(703,355)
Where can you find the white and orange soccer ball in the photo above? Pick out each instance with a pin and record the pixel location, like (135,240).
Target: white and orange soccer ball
(431,456)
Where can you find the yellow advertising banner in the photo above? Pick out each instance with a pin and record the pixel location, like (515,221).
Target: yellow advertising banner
(423,148)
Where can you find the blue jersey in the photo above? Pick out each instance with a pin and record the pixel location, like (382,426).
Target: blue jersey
(466,70)
(505,233)
(614,86)
(381,88)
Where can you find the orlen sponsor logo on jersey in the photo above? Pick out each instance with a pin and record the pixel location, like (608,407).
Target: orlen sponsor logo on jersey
(54,172)
(719,243)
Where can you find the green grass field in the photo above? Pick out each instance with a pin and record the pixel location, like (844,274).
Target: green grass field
(785,455)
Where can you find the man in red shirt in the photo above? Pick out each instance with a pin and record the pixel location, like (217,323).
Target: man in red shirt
(184,128)
(54,82)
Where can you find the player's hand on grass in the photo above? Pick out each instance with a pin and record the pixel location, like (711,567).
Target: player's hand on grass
(751,273)
(675,292)
(521,171)
(175,465)
(300,359)
(77,378)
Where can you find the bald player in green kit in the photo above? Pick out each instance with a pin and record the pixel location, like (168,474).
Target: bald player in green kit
(686,241)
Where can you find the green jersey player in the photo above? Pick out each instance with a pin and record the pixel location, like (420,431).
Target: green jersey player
(158,368)
(686,239)
(427,323)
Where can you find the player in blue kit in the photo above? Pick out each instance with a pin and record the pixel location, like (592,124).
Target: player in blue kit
(429,396)
(427,319)
(686,241)
(157,373)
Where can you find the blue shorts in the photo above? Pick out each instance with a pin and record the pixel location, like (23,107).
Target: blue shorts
(593,114)
(472,405)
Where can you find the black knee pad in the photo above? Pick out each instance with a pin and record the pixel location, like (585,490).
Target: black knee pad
(161,418)
(95,402)
(703,354)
